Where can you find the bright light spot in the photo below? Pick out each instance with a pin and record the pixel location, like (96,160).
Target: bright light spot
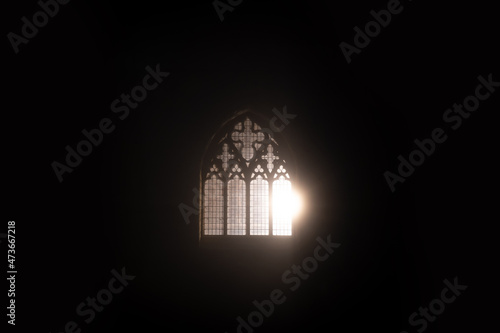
(286,205)
(296,202)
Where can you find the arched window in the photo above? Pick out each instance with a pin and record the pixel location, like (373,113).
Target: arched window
(246,184)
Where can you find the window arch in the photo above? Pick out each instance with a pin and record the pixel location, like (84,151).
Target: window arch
(245,180)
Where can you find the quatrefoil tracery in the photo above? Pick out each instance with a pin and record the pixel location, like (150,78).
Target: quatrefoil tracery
(244,147)
(247,140)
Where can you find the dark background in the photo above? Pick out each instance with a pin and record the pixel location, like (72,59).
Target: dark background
(119,207)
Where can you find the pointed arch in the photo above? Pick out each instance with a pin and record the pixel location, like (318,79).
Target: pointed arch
(246,180)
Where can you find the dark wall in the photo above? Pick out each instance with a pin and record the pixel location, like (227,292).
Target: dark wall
(120,206)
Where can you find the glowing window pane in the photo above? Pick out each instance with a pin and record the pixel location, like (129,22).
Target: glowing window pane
(282,210)
(236,207)
(244,166)
(259,207)
(214,207)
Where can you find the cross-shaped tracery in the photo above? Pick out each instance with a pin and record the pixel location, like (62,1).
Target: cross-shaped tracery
(245,140)
(225,156)
(270,157)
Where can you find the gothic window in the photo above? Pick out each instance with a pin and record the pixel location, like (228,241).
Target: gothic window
(246,187)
